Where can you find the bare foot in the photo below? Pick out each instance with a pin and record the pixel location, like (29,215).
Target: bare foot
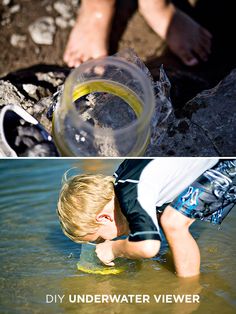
(89,36)
(185,37)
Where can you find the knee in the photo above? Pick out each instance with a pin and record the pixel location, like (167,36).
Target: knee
(172,221)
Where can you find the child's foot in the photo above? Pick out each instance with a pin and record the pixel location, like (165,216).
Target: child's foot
(186,38)
(89,36)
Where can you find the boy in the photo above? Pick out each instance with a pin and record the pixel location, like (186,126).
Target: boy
(90,34)
(98,208)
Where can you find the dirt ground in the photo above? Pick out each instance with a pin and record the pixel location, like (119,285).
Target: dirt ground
(129,30)
(137,35)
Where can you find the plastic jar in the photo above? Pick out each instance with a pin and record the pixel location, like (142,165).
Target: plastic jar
(105,110)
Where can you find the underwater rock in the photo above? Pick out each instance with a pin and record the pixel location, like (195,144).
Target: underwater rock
(42,30)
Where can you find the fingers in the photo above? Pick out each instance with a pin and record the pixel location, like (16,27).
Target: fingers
(104,253)
(109,264)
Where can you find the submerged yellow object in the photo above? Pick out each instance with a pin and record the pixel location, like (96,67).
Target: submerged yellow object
(101,270)
(90,264)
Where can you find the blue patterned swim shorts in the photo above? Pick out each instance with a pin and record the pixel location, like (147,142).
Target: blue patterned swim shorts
(212,195)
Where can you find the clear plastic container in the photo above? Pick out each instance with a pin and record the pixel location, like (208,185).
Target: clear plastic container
(105,110)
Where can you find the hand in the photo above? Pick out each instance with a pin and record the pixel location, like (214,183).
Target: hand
(105,253)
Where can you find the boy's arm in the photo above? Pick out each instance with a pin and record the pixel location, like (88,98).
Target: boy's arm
(109,250)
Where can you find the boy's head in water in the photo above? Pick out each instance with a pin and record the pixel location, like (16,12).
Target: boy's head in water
(88,209)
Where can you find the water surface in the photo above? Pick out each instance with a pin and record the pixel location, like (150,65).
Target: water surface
(38,260)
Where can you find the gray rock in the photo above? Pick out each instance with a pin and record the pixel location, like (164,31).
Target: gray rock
(214,112)
(42,30)
(35,92)
(30,89)
(209,128)
(53,78)
(182,138)
(10,94)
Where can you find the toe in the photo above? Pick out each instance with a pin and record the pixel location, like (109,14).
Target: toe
(201,51)
(205,42)
(75,59)
(206,33)
(188,58)
(206,47)
(85,58)
(66,55)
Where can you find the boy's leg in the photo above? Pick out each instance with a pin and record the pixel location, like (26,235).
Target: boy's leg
(183,246)
(185,37)
(209,198)
(89,36)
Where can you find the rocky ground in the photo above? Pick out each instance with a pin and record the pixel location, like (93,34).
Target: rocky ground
(31,68)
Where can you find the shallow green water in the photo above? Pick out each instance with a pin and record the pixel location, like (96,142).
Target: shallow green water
(38,260)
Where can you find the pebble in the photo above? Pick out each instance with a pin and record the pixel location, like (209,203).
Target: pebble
(14,9)
(18,40)
(5,21)
(30,89)
(35,92)
(55,79)
(42,30)
(71,22)
(48,8)
(61,22)
(75,3)
(63,9)
(6,2)
(9,94)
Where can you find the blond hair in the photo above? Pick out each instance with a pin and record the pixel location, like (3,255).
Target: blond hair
(81,198)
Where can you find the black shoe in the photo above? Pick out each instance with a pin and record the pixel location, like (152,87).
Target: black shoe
(21,135)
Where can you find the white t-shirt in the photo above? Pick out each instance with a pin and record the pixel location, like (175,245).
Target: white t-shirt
(143,184)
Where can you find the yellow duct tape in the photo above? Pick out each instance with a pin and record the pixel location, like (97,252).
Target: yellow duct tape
(110,87)
(101,270)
